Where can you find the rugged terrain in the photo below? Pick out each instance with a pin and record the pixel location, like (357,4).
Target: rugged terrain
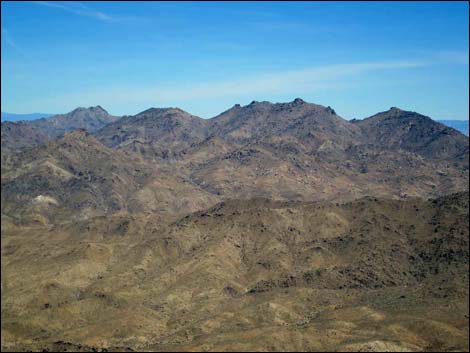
(371,274)
(174,161)
(268,227)
(23,134)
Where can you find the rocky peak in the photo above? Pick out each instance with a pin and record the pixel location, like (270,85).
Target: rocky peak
(298,101)
(94,110)
(408,130)
(160,115)
(98,108)
(162,111)
(330,110)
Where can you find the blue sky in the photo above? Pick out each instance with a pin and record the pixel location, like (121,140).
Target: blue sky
(359,58)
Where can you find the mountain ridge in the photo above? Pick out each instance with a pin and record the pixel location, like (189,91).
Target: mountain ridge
(285,151)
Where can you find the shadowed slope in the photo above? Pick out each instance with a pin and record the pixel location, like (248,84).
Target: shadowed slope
(155,133)
(399,129)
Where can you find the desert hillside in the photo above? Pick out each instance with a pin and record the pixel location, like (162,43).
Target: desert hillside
(273,227)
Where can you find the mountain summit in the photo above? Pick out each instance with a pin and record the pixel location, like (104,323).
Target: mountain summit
(411,131)
(91,119)
(36,132)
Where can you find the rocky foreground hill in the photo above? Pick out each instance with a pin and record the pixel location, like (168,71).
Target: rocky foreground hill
(268,227)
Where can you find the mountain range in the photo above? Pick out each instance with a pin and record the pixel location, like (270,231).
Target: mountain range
(272,226)
(460,125)
(19,117)
(172,160)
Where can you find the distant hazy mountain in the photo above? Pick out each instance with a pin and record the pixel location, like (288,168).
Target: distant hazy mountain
(21,134)
(461,125)
(90,119)
(19,117)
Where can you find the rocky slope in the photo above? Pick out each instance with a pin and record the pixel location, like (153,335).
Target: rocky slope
(285,151)
(90,119)
(398,129)
(19,135)
(77,177)
(368,275)
(70,177)
(305,151)
(274,227)
(155,133)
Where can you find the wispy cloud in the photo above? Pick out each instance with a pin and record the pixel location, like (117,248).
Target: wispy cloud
(253,87)
(75,8)
(8,39)
(296,82)
(80,9)
(270,83)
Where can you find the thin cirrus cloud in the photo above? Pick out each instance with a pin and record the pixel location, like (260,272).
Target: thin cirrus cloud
(334,76)
(284,82)
(80,9)
(8,39)
(276,83)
